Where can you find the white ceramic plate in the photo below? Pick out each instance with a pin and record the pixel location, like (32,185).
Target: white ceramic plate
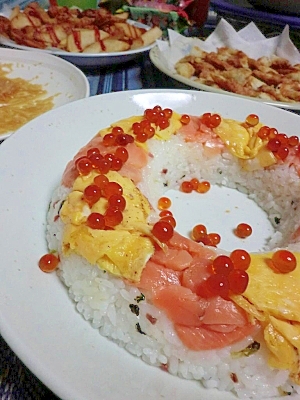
(37,318)
(86,60)
(156,60)
(58,77)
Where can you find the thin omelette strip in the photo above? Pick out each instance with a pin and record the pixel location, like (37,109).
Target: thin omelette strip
(20,100)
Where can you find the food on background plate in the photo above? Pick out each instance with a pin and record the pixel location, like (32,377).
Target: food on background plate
(270,78)
(164,14)
(73,30)
(228,319)
(21,100)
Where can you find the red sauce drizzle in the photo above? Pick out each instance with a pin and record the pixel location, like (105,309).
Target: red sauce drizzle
(98,39)
(30,20)
(76,36)
(53,37)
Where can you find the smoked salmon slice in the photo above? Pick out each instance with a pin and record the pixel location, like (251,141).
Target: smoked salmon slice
(181,305)
(224,312)
(195,274)
(175,259)
(155,276)
(178,241)
(201,338)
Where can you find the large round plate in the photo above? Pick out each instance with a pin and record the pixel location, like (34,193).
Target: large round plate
(86,59)
(58,77)
(37,318)
(159,64)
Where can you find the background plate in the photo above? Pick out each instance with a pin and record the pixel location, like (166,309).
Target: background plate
(82,59)
(37,318)
(57,76)
(156,60)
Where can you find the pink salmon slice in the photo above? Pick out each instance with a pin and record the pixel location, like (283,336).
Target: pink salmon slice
(201,338)
(181,305)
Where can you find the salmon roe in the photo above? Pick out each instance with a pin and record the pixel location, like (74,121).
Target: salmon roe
(163,231)
(222,265)
(284,261)
(92,194)
(200,235)
(194,185)
(95,221)
(252,119)
(117,201)
(164,203)
(48,262)
(94,160)
(241,259)
(243,231)
(203,187)
(226,277)
(278,143)
(113,216)
(155,117)
(166,213)
(213,239)
(211,120)
(186,187)
(185,119)
(199,232)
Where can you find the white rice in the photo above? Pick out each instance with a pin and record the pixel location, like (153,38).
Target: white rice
(105,300)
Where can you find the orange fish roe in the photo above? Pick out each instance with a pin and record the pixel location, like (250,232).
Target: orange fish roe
(186,187)
(284,261)
(163,231)
(157,116)
(185,119)
(279,143)
(194,184)
(170,219)
(200,235)
(203,187)
(243,230)
(241,259)
(211,120)
(225,279)
(48,262)
(164,203)
(166,213)
(252,120)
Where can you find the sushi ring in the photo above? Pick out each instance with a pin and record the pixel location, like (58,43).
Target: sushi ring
(160,295)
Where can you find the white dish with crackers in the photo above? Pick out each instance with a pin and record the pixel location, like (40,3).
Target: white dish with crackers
(33,83)
(243,63)
(87,38)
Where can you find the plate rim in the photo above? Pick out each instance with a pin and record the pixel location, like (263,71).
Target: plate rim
(154,57)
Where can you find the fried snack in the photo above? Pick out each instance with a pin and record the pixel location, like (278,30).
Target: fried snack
(269,78)
(75,31)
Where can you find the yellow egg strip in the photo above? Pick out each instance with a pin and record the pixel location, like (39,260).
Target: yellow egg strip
(124,250)
(20,100)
